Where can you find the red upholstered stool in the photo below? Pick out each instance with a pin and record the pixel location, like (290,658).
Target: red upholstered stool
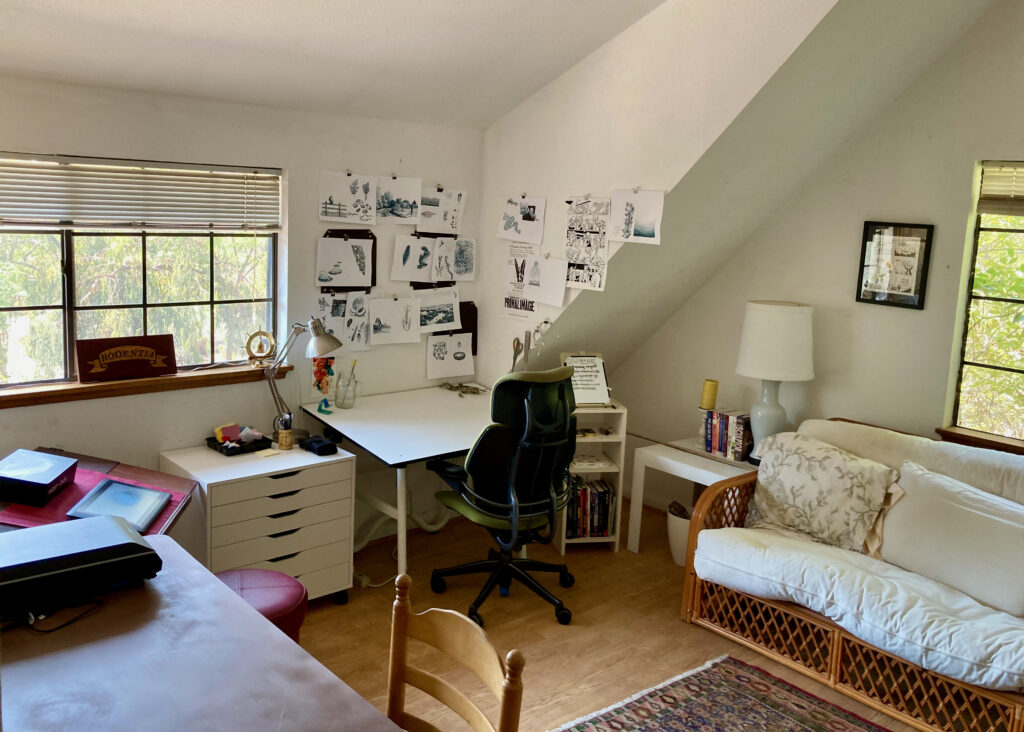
(278,597)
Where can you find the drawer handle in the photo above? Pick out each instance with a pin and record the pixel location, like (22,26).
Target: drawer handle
(285,475)
(286,556)
(279,534)
(283,514)
(284,495)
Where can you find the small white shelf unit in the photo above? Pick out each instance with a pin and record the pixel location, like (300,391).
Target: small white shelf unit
(609,440)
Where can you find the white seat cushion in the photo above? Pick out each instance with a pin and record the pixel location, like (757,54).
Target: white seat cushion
(910,616)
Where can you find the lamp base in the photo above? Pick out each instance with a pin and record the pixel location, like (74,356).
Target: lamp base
(767,417)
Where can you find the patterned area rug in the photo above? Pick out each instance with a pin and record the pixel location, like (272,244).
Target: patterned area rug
(723,694)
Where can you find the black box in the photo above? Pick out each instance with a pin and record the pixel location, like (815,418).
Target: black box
(33,478)
(48,567)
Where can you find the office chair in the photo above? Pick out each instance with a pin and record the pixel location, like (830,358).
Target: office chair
(515,481)
(460,639)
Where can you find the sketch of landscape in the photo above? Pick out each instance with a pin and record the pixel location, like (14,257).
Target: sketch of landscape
(636,216)
(414,258)
(394,320)
(439,310)
(348,198)
(449,355)
(398,199)
(441,211)
(344,262)
(585,246)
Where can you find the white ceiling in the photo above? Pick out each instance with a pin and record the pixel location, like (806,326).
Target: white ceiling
(457,62)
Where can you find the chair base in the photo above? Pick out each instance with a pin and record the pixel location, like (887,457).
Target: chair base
(503,568)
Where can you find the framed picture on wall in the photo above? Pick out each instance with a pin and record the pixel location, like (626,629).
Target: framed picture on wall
(894,264)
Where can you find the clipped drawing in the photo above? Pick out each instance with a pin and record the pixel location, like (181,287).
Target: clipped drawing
(449,356)
(523,219)
(394,320)
(441,211)
(439,310)
(344,262)
(414,259)
(398,199)
(585,246)
(636,216)
(348,198)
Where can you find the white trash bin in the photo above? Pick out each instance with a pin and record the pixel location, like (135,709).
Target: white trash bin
(678,535)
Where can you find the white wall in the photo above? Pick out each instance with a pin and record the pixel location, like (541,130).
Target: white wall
(53,118)
(639,111)
(884,365)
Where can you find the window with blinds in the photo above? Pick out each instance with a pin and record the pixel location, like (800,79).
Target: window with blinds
(990,387)
(96,248)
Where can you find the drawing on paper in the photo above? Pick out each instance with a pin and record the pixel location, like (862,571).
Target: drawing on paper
(344,263)
(523,219)
(444,261)
(324,376)
(465,259)
(394,320)
(636,216)
(585,246)
(347,197)
(398,199)
(449,355)
(439,310)
(441,211)
(338,307)
(414,259)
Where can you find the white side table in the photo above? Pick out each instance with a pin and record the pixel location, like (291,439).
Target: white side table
(683,459)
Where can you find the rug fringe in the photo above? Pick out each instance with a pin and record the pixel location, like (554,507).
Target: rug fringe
(585,717)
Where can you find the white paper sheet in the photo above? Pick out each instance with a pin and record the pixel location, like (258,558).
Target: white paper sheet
(523,219)
(589,383)
(544,279)
(517,303)
(344,262)
(449,355)
(355,329)
(454,260)
(414,258)
(439,310)
(636,216)
(398,199)
(394,321)
(441,211)
(348,198)
(585,246)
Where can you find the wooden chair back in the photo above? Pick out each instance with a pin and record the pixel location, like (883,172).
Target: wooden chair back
(461,639)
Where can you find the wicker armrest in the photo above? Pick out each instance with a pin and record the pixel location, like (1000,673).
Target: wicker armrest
(722,504)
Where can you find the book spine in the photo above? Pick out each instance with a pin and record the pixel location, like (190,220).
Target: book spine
(715,419)
(708,417)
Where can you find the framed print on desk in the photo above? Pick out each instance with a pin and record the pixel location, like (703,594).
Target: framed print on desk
(894,264)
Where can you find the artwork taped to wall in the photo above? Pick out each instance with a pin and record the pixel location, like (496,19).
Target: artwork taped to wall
(441,211)
(325,376)
(439,310)
(344,262)
(517,303)
(414,258)
(355,332)
(454,260)
(894,264)
(636,216)
(585,247)
(449,356)
(394,320)
(398,199)
(544,279)
(348,197)
(523,219)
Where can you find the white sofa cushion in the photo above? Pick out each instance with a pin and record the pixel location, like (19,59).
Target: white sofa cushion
(964,537)
(910,616)
(1000,473)
(809,486)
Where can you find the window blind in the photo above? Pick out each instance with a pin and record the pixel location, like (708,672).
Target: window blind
(91,192)
(1002,188)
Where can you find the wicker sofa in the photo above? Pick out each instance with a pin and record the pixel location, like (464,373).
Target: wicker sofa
(814,644)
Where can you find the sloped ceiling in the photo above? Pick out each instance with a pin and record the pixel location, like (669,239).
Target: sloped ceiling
(844,74)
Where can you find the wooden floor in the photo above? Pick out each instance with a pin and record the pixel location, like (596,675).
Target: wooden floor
(626,634)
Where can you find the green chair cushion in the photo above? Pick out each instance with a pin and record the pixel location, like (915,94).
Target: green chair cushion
(452,500)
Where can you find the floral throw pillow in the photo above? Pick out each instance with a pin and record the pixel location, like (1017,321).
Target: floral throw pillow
(812,487)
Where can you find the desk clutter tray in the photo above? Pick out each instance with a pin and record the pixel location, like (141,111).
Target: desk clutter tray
(261,443)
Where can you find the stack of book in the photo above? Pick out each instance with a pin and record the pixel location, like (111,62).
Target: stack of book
(591,508)
(727,434)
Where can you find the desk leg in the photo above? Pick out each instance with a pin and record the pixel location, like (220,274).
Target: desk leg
(402,491)
(636,500)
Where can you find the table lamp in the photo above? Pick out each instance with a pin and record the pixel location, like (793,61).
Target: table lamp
(776,345)
(320,344)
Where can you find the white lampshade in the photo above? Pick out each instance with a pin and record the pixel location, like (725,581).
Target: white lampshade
(777,342)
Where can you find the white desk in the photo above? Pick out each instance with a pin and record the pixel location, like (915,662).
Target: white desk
(682,458)
(407,427)
(182,652)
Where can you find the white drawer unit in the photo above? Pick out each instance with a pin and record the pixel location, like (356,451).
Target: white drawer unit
(292,512)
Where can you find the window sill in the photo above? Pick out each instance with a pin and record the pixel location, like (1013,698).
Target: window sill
(974,438)
(30,396)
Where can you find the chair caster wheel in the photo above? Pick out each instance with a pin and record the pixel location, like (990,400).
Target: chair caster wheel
(341,598)
(564,615)
(565,579)
(437,584)
(504,591)
(475,617)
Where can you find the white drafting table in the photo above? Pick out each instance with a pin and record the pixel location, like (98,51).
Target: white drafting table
(406,427)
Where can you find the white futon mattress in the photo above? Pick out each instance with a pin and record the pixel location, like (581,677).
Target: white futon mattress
(910,616)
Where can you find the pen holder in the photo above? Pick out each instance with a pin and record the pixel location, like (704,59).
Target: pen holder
(346,392)
(285,441)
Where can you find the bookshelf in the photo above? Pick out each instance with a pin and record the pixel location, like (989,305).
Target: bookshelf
(600,455)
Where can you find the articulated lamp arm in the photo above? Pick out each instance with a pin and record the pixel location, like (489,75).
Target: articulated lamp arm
(283,420)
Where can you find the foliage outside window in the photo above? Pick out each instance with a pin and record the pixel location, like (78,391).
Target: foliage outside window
(990,392)
(209,290)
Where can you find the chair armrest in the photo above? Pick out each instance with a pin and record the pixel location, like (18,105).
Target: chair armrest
(722,504)
(454,475)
